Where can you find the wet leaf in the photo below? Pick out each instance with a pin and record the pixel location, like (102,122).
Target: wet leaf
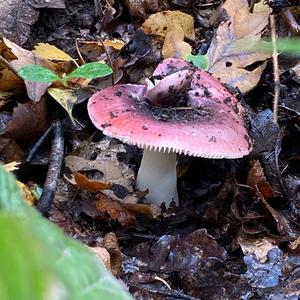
(47,51)
(91,70)
(28,121)
(229,61)
(66,98)
(37,73)
(115,210)
(90,185)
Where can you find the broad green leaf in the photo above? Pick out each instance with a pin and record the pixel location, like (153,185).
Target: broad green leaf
(91,70)
(44,263)
(200,61)
(37,73)
(65,97)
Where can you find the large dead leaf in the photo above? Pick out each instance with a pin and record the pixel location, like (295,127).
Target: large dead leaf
(228,59)
(35,90)
(28,121)
(161,22)
(116,210)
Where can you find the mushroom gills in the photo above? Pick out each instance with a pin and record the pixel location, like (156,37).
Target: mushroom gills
(157,173)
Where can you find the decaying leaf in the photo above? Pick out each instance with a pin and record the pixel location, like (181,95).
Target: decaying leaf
(50,52)
(151,210)
(141,8)
(90,185)
(111,244)
(256,179)
(16,19)
(28,121)
(116,210)
(227,58)
(174,44)
(12,166)
(258,246)
(161,22)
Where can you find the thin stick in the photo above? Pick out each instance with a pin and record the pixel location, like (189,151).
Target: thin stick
(78,51)
(109,59)
(275,69)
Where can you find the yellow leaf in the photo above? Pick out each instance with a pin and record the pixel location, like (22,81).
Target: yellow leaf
(161,22)
(116,44)
(65,97)
(174,44)
(51,52)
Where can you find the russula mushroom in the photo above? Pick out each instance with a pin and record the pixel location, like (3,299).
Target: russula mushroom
(185,110)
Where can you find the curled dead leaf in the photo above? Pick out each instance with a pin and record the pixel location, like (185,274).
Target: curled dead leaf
(111,244)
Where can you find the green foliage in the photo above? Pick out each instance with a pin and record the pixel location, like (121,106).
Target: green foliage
(37,261)
(91,70)
(38,73)
(200,61)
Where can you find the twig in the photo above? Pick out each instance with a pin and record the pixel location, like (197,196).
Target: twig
(275,69)
(78,51)
(168,293)
(109,59)
(55,162)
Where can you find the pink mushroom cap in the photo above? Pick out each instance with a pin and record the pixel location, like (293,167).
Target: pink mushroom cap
(211,126)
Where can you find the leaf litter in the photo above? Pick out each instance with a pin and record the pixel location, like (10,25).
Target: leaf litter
(235,234)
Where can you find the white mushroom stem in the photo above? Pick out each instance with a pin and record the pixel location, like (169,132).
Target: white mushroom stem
(157,173)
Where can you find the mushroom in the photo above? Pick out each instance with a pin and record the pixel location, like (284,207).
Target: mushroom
(185,111)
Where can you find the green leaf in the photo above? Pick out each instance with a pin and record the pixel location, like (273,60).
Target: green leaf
(37,260)
(37,73)
(91,70)
(200,61)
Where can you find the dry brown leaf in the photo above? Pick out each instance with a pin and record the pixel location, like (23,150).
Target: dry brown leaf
(227,58)
(50,52)
(35,90)
(28,121)
(141,8)
(89,184)
(258,246)
(110,243)
(10,82)
(152,210)
(103,256)
(159,23)
(174,44)
(115,210)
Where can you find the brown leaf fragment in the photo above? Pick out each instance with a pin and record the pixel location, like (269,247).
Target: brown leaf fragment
(140,8)
(103,256)
(152,211)
(229,54)
(90,185)
(10,150)
(116,210)
(28,121)
(111,244)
